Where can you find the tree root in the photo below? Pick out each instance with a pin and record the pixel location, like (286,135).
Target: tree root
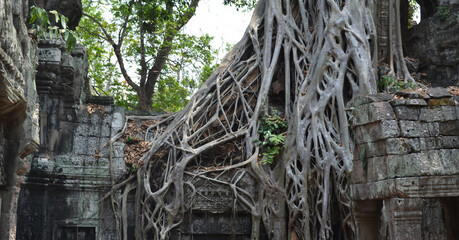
(320,53)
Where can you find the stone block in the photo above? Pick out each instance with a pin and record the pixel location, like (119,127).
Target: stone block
(404,218)
(408,102)
(377,169)
(428,187)
(82,129)
(95,118)
(391,146)
(94,130)
(93,146)
(441,102)
(80,145)
(104,147)
(119,165)
(438,92)
(428,163)
(376,131)
(413,94)
(450,142)
(372,112)
(118,149)
(118,120)
(373,190)
(105,130)
(358,175)
(360,100)
(104,163)
(418,129)
(450,161)
(437,114)
(423,144)
(407,113)
(49,55)
(449,128)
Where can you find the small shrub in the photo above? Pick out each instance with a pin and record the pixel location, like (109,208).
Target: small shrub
(389,84)
(272,132)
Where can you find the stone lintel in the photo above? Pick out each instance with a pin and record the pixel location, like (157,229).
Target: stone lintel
(409,187)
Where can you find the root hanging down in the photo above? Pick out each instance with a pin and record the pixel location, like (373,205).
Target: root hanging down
(306,59)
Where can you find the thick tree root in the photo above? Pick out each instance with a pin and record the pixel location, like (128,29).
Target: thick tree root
(318,55)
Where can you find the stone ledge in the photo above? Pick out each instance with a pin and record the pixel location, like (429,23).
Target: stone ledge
(409,187)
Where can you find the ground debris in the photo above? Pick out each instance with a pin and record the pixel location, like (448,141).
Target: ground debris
(92,108)
(453,90)
(136,145)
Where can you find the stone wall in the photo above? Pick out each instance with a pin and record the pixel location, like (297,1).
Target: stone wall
(406,164)
(18,108)
(62,190)
(434,41)
(72,170)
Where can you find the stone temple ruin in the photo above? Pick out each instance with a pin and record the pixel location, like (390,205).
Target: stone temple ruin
(55,163)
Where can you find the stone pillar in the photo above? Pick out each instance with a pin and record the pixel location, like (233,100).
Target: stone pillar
(404,218)
(367,215)
(8,203)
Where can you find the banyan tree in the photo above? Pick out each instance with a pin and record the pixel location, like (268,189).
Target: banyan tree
(297,65)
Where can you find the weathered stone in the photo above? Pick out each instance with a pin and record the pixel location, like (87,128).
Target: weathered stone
(372,112)
(431,42)
(438,92)
(408,102)
(391,146)
(407,113)
(428,186)
(423,144)
(418,129)
(412,93)
(405,216)
(373,190)
(376,131)
(358,175)
(445,113)
(360,100)
(118,149)
(441,102)
(377,169)
(428,163)
(450,142)
(449,128)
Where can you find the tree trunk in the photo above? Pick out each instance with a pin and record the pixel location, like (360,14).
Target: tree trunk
(145,101)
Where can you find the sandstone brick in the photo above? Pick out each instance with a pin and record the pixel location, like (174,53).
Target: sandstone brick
(408,102)
(377,169)
(440,102)
(118,149)
(376,131)
(358,175)
(407,113)
(438,92)
(415,164)
(372,112)
(445,113)
(450,141)
(413,129)
(449,128)
(360,100)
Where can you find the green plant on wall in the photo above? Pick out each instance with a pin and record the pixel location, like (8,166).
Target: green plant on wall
(41,23)
(272,132)
(389,84)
